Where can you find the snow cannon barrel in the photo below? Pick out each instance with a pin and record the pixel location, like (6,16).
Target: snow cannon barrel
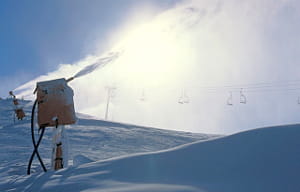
(70,79)
(55,103)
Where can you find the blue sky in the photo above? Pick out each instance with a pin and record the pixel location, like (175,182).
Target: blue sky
(37,36)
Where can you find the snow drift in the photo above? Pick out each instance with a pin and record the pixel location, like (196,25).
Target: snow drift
(258,160)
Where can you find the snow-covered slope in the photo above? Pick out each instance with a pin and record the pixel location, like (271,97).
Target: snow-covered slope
(89,140)
(265,160)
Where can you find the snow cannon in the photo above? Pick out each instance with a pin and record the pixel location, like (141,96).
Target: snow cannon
(55,109)
(19,113)
(55,103)
(12,94)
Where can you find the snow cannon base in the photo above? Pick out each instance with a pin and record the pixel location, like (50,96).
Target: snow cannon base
(20,114)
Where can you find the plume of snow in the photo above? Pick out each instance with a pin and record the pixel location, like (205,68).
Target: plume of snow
(182,52)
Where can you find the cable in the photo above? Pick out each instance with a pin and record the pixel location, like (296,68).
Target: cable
(35,145)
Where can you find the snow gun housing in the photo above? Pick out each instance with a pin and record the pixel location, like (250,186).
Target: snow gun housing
(18,110)
(55,103)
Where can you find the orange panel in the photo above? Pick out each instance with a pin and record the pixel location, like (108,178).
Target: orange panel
(55,102)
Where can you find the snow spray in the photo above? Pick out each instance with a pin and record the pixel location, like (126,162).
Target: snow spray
(100,63)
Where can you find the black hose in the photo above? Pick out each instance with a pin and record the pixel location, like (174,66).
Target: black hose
(35,145)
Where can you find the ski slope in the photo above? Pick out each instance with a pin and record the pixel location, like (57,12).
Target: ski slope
(89,140)
(258,160)
(116,157)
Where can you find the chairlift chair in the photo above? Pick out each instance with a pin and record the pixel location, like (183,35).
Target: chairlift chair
(143,98)
(243,99)
(229,100)
(180,100)
(183,99)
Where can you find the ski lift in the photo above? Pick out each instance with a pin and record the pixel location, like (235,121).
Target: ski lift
(113,93)
(243,98)
(183,99)
(110,95)
(229,100)
(180,100)
(143,97)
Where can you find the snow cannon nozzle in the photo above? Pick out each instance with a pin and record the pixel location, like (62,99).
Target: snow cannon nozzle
(70,79)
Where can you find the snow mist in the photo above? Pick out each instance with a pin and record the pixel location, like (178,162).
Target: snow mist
(187,68)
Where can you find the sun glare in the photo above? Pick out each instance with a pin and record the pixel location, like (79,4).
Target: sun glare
(152,56)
